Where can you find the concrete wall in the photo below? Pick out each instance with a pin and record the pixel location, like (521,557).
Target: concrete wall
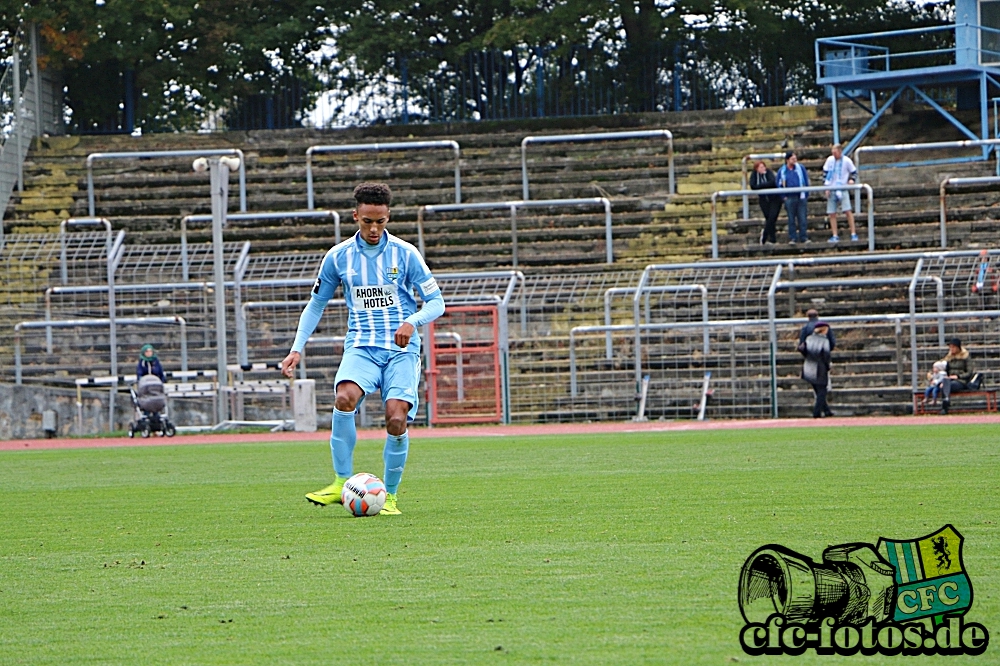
(21,410)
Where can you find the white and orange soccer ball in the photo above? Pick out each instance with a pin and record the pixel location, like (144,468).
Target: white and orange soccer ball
(363,495)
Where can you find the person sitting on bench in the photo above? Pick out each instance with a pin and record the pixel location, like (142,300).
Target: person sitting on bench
(962,374)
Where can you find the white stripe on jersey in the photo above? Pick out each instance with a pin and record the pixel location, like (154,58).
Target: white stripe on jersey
(380,271)
(348,261)
(395,262)
(363,261)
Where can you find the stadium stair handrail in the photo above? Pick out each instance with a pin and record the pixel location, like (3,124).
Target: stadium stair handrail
(668,326)
(244,217)
(982,180)
(719,194)
(111,322)
(73,222)
(987,144)
(513,206)
(377,147)
(669,289)
(598,136)
(874,257)
(154,154)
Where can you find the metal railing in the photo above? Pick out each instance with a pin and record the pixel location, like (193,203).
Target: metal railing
(745,324)
(78,222)
(243,217)
(670,289)
(243,320)
(933,145)
(793,190)
(984,180)
(110,322)
(596,136)
(377,147)
(155,154)
(875,281)
(869,55)
(459,372)
(678,268)
(513,207)
(986,144)
(744,183)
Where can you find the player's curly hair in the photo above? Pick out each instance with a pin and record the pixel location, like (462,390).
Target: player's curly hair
(376,194)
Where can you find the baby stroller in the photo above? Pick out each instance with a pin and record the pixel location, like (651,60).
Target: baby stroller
(150,408)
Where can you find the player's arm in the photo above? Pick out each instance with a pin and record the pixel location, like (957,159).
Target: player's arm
(326,284)
(432,308)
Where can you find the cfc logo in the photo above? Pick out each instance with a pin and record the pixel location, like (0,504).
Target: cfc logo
(898,597)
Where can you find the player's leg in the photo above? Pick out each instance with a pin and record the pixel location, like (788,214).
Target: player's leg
(357,375)
(344,434)
(401,379)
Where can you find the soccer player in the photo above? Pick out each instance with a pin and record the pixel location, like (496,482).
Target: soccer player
(378,273)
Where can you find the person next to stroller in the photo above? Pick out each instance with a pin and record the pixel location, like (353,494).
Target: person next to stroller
(149,364)
(149,398)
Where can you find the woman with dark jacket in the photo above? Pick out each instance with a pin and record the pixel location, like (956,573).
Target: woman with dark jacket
(816,366)
(149,364)
(763,178)
(962,375)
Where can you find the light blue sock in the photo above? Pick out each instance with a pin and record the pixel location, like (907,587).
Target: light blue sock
(394,454)
(342,441)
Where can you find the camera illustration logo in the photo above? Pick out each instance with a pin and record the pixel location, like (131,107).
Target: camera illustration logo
(905,597)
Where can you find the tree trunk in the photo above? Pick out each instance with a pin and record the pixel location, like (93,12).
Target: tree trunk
(641,57)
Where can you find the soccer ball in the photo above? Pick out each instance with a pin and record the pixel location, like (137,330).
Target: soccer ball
(363,495)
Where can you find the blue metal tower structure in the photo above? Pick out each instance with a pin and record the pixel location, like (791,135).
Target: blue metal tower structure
(964,56)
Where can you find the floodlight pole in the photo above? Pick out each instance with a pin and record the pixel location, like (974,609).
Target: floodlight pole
(218,171)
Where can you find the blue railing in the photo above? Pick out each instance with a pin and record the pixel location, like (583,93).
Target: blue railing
(916,48)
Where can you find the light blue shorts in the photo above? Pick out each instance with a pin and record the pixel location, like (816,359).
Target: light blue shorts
(396,373)
(841,206)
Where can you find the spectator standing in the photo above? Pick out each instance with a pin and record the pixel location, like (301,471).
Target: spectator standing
(763,178)
(816,366)
(807,330)
(839,170)
(961,373)
(149,364)
(793,174)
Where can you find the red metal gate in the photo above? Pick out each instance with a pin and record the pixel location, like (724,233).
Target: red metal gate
(463,374)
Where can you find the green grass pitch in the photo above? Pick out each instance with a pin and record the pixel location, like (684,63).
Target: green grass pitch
(584,549)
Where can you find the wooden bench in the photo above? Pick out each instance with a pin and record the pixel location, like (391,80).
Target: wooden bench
(920,404)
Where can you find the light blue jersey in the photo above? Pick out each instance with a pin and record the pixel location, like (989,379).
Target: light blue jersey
(378,284)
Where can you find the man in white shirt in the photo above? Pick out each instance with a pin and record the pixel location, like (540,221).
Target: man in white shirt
(839,170)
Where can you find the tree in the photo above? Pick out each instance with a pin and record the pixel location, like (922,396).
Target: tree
(172,62)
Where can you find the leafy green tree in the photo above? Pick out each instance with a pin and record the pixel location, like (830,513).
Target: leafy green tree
(180,59)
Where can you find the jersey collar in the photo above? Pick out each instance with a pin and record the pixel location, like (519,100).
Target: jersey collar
(363,244)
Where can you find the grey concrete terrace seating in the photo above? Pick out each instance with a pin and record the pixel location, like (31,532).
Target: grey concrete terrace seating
(148,197)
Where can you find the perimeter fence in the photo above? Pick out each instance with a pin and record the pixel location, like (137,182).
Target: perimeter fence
(570,341)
